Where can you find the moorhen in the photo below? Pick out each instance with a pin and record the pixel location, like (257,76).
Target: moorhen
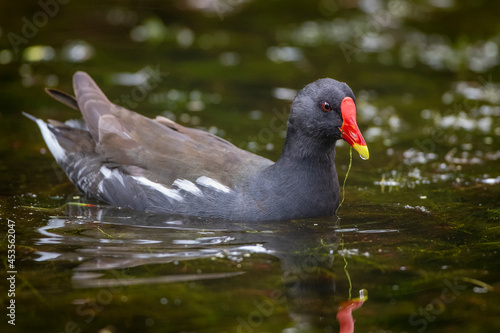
(156,165)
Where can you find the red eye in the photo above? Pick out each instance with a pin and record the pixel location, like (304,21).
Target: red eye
(325,106)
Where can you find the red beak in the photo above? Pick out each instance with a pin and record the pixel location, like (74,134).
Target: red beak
(350,131)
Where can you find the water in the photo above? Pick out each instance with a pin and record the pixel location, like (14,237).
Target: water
(419,227)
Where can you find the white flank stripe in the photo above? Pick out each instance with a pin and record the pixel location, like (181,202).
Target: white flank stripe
(115,173)
(105,171)
(160,188)
(51,140)
(101,186)
(188,186)
(119,176)
(209,182)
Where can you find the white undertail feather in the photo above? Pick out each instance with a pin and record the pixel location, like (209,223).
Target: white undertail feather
(51,140)
(115,173)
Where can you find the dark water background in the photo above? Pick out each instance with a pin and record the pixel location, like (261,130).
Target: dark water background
(419,229)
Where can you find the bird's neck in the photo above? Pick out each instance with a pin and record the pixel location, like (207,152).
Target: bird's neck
(300,149)
(304,179)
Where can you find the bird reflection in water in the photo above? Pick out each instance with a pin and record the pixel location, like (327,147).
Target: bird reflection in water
(304,250)
(344,316)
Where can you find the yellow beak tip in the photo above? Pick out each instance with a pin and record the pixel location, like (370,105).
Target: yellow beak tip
(362,151)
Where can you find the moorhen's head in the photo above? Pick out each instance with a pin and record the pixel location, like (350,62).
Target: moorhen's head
(325,111)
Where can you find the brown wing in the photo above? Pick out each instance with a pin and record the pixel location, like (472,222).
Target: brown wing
(160,149)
